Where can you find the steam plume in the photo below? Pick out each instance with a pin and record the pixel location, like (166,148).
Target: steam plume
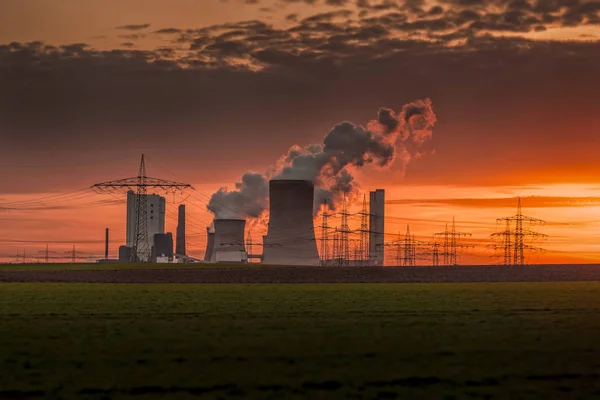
(329,165)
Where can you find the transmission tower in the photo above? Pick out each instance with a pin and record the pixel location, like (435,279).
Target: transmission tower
(408,248)
(513,240)
(364,233)
(73,254)
(336,248)
(324,235)
(249,244)
(140,248)
(398,248)
(20,256)
(451,244)
(46,253)
(435,254)
(344,232)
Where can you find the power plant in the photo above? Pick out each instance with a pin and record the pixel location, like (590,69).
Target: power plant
(290,237)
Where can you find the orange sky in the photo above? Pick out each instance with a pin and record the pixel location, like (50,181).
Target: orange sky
(572,213)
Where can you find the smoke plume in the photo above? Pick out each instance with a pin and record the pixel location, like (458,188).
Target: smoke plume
(248,200)
(391,137)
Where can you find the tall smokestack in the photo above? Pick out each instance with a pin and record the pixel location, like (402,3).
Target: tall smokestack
(376,227)
(180,245)
(106,245)
(291,234)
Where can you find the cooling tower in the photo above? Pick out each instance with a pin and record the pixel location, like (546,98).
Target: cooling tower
(228,238)
(210,240)
(290,237)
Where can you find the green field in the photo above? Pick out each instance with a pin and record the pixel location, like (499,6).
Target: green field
(508,340)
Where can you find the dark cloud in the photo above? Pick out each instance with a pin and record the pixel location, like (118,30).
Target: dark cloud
(168,31)
(228,81)
(132,36)
(133,27)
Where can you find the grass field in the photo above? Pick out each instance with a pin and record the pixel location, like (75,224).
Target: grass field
(519,340)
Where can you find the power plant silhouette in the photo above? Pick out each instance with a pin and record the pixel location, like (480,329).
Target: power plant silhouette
(291,237)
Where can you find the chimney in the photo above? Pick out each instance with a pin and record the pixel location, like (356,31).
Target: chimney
(376,227)
(180,247)
(106,245)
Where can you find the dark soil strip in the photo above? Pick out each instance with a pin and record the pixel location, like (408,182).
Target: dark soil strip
(534,273)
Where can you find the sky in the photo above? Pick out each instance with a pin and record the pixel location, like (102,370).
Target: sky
(210,89)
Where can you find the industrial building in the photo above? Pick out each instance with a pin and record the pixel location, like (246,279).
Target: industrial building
(377,227)
(163,248)
(290,236)
(155,214)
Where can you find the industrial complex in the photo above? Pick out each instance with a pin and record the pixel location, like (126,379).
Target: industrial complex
(291,238)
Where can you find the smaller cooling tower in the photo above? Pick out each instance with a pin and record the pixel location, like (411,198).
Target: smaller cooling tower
(290,238)
(210,240)
(228,238)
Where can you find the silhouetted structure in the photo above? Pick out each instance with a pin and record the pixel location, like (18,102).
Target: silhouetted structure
(451,244)
(513,239)
(377,227)
(344,231)
(364,234)
(324,254)
(105,246)
(124,254)
(141,243)
(228,241)
(210,241)
(291,235)
(180,247)
(163,246)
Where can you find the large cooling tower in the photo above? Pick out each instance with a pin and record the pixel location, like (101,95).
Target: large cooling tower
(290,238)
(228,238)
